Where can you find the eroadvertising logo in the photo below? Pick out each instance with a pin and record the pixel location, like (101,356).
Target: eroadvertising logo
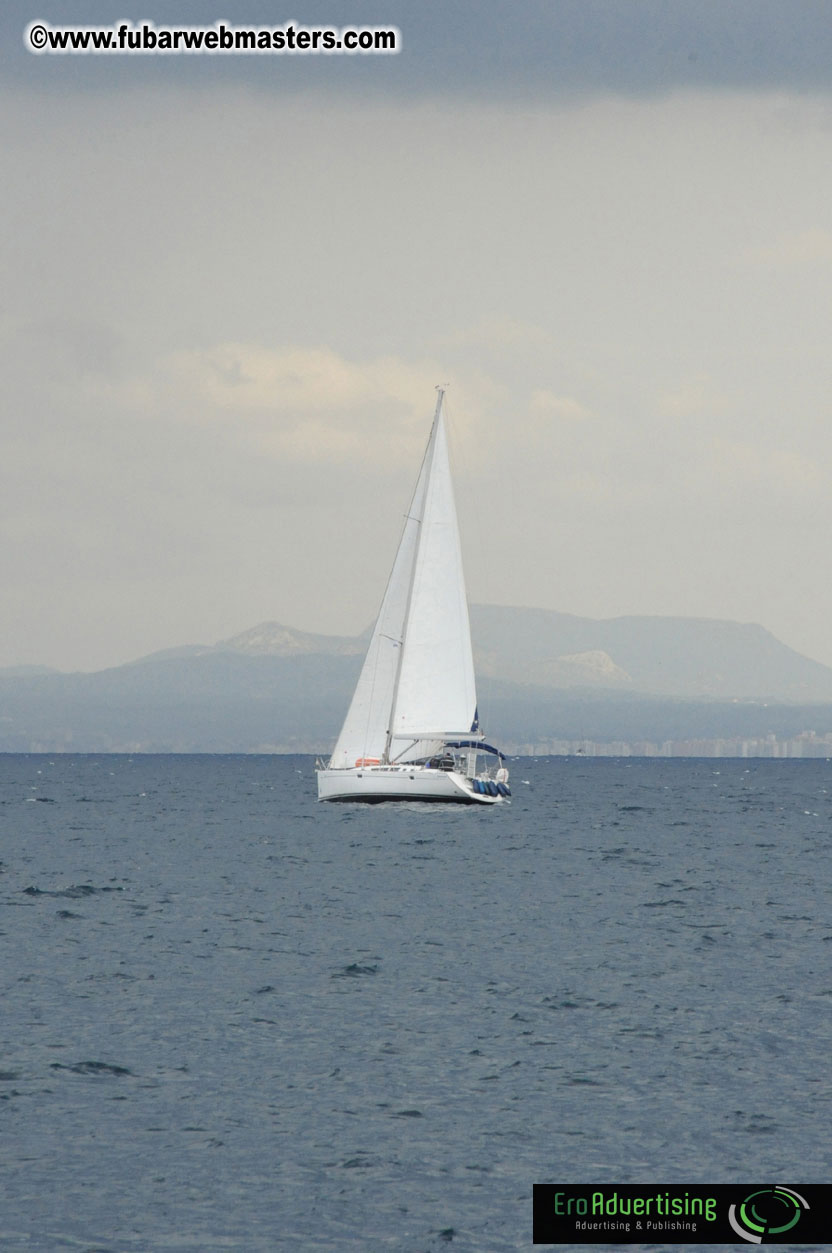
(769,1212)
(682,1214)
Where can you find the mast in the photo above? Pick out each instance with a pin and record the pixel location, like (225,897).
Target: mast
(440,393)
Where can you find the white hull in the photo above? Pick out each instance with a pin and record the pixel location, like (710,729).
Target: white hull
(399,783)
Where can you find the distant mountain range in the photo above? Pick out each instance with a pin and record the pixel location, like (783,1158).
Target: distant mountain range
(542,676)
(693,658)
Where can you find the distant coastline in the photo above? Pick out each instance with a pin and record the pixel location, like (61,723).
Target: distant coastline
(548,684)
(805,746)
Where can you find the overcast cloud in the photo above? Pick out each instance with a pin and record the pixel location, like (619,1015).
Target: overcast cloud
(230,286)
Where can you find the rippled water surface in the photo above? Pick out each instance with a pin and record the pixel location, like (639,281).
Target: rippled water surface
(236,1019)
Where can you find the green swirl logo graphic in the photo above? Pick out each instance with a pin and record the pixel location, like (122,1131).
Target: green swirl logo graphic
(771,1212)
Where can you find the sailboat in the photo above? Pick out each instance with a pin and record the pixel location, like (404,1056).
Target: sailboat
(412,729)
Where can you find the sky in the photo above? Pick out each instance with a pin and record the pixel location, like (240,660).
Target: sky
(230,285)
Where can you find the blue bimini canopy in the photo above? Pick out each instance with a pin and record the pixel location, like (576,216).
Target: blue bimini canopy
(483,748)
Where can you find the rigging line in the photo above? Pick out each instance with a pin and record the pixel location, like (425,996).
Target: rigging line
(411,744)
(369,704)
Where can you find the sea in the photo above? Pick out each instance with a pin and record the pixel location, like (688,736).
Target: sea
(234,1018)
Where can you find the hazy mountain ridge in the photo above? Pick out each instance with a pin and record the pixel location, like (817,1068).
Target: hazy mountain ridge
(25,672)
(693,658)
(269,639)
(682,657)
(543,676)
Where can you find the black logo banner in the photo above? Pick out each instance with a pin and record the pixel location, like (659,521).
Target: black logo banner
(695,1213)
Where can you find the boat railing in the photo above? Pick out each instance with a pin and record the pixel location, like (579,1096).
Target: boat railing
(480,765)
